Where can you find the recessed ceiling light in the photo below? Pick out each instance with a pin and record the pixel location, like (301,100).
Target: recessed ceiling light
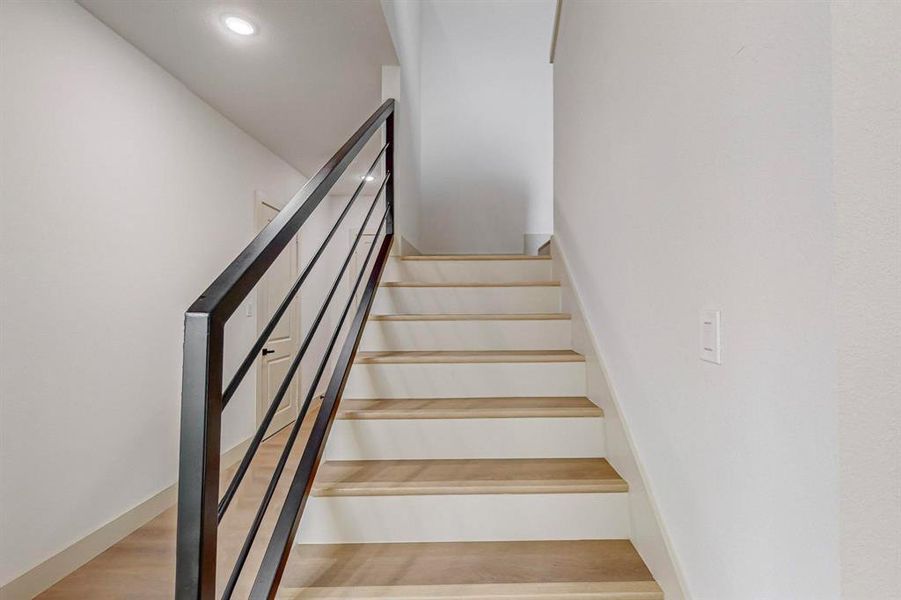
(239,25)
(367,178)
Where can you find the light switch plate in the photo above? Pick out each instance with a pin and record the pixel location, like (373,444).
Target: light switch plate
(711,336)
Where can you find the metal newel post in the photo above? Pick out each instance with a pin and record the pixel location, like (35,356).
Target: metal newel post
(198,468)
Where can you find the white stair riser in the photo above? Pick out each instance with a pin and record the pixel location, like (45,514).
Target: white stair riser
(465,380)
(467,300)
(482,271)
(459,518)
(468,335)
(384,439)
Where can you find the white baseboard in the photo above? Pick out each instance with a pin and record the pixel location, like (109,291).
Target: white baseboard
(41,577)
(649,534)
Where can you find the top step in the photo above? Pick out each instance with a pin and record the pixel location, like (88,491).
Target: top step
(476,268)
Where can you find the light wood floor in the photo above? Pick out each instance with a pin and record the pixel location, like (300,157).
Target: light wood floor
(142,566)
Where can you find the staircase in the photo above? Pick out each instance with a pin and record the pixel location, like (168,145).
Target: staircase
(465,460)
(454,453)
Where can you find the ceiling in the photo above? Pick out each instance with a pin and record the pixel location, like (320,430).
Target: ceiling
(301,85)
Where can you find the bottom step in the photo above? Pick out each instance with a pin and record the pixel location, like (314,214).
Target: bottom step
(535,570)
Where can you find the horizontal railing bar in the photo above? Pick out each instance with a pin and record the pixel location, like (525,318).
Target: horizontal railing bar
(292,369)
(231,287)
(286,451)
(266,584)
(251,357)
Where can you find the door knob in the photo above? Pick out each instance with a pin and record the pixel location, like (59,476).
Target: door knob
(268,351)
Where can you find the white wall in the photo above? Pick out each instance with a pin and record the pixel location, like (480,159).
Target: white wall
(646,527)
(487,124)
(693,147)
(403,18)
(123,195)
(867,130)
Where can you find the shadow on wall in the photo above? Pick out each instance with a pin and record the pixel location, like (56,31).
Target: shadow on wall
(487,216)
(487,134)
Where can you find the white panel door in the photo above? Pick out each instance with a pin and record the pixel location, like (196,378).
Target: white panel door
(282,345)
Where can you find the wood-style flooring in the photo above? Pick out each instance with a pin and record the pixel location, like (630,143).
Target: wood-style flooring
(142,565)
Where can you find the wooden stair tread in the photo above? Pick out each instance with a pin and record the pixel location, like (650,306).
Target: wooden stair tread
(468,356)
(468,284)
(614,590)
(609,569)
(475,257)
(467,476)
(468,408)
(474,317)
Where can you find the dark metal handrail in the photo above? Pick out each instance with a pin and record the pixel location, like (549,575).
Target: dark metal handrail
(292,368)
(251,357)
(203,398)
